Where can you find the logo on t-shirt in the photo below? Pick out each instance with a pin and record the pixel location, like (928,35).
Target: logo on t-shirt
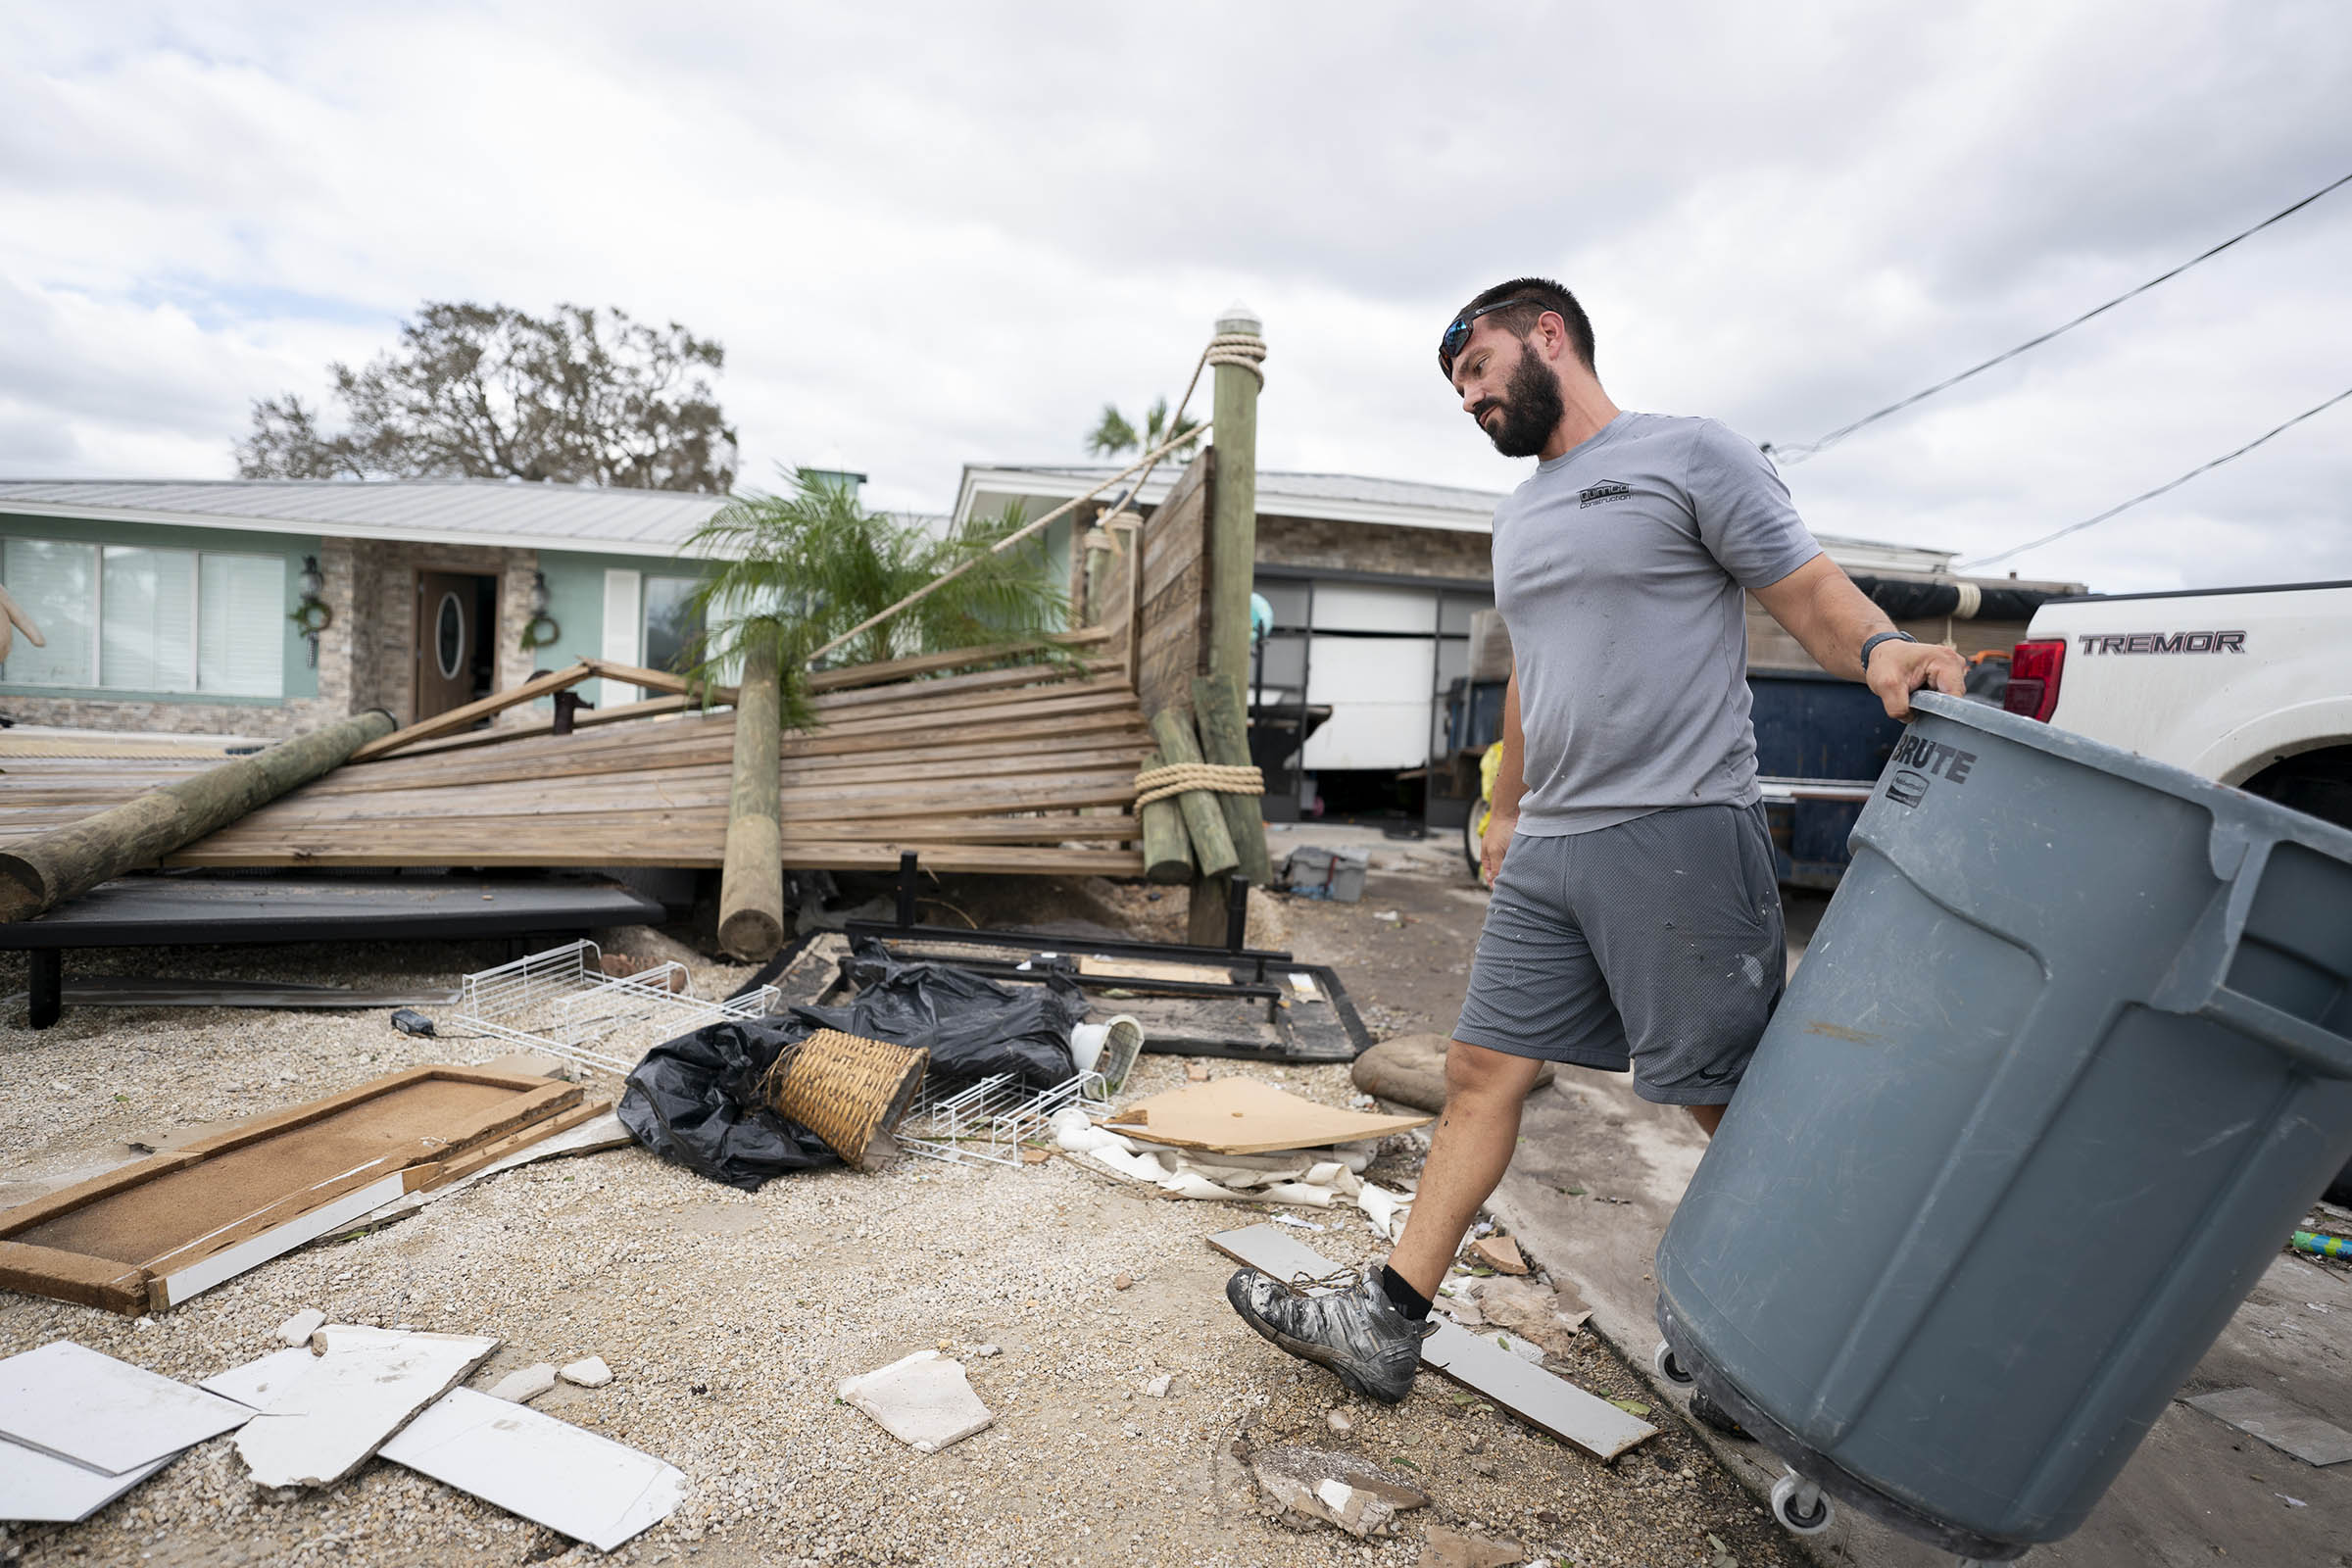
(1606,491)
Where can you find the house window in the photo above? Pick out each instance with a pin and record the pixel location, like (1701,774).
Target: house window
(126,617)
(672,624)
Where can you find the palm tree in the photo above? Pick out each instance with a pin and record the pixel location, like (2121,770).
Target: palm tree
(798,569)
(1113,436)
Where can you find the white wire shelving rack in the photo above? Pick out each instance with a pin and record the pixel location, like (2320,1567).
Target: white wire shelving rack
(562,1003)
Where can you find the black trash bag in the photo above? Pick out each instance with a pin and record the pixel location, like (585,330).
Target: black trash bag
(972,1026)
(695,1100)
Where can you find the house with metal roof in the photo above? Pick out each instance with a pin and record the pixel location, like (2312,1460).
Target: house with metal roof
(263,607)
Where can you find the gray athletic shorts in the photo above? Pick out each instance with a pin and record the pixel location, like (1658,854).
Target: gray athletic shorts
(1655,943)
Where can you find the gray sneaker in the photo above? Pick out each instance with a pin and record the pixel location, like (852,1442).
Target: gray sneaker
(1355,1331)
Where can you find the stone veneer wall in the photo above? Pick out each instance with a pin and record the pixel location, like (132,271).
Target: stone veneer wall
(1374,547)
(385,646)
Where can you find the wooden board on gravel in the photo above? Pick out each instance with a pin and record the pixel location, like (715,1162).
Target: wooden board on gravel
(148,1234)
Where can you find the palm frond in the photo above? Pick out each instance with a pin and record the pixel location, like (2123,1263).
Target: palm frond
(800,568)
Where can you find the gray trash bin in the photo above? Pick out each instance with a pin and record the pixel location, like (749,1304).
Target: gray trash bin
(2064,1064)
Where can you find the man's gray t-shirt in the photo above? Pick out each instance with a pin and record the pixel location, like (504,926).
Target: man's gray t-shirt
(1618,568)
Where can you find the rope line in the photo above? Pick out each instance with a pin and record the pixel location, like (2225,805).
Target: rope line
(1242,350)
(1796,451)
(1178,778)
(2150,495)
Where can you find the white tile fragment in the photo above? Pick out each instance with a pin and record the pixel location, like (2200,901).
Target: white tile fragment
(524,1384)
(298,1329)
(923,1400)
(589,1372)
(549,1471)
(108,1415)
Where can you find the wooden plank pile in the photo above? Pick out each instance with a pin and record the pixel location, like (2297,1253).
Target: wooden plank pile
(1014,768)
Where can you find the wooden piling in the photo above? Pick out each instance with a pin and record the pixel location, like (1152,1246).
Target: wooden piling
(1167,849)
(38,873)
(750,888)
(1224,728)
(1204,818)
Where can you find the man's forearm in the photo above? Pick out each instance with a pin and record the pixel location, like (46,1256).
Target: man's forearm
(1510,778)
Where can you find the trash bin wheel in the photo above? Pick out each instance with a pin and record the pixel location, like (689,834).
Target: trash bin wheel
(1800,1506)
(1668,1368)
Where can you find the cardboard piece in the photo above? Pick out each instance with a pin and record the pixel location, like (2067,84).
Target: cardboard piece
(1248,1117)
(1486,1368)
(550,1472)
(106,1416)
(365,1384)
(40,1488)
(158,1230)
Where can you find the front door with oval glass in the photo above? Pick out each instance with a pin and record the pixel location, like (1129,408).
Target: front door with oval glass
(457,613)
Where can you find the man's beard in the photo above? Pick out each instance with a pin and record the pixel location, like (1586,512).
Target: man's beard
(1531,409)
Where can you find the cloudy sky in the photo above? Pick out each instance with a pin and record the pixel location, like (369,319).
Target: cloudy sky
(931,235)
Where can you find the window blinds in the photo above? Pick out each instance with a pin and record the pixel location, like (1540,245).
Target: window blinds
(147,641)
(244,633)
(56,584)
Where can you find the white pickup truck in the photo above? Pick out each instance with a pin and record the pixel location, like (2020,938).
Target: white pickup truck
(2246,686)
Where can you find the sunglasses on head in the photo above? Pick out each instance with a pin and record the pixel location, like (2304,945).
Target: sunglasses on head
(1458,333)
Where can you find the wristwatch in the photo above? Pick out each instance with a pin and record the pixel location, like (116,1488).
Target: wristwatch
(1883,637)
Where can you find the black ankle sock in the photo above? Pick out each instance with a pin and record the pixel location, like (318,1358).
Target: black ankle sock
(1411,1302)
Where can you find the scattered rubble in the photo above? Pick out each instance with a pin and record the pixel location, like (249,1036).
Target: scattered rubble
(589,1372)
(1338,1489)
(1500,1253)
(1442,1547)
(525,1384)
(298,1329)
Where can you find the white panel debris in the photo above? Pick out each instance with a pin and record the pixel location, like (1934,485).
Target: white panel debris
(550,1472)
(105,1414)
(366,1384)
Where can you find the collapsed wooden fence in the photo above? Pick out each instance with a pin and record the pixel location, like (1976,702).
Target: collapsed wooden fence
(980,759)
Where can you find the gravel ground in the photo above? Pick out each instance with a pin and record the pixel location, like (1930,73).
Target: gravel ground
(729,1317)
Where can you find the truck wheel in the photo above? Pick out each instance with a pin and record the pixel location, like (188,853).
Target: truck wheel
(2316,783)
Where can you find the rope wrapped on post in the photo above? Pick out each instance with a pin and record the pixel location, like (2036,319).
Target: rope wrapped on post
(1242,350)
(1160,783)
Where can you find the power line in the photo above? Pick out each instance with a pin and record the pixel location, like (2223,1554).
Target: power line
(1798,453)
(2150,495)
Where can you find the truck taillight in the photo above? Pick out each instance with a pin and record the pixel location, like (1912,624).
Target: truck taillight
(2034,670)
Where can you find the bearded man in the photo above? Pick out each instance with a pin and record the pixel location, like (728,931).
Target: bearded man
(1635,918)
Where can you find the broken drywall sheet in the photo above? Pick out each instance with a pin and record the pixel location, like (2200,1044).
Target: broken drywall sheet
(257,1384)
(366,1384)
(1244,1116)
(923,1401)
(549,1471)
(104,1414)
(2284,1427)
(38,1487)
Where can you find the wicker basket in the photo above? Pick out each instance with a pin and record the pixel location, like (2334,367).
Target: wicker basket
(846,1089)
